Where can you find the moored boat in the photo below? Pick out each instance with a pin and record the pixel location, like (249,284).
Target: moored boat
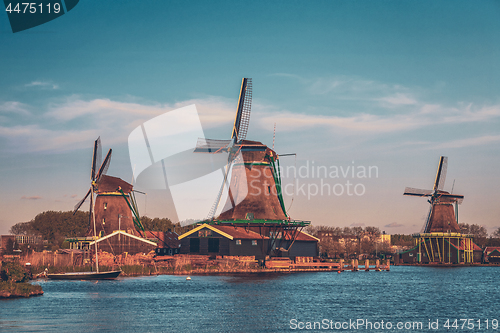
(110,275)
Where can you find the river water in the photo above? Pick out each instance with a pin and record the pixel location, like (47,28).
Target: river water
(410,298)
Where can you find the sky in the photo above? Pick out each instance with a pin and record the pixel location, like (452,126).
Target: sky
(386,86)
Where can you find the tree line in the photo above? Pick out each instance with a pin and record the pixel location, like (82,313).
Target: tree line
(347,241)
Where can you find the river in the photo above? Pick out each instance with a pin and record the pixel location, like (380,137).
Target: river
(406,299)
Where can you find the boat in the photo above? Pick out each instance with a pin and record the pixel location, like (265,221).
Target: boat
(109,275)
(96,175)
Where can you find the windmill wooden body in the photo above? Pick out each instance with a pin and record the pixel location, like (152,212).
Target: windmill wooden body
(441,240)
(252,182)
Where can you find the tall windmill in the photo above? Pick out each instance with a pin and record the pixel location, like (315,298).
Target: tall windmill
(441,240)
(254,196)
(442,217)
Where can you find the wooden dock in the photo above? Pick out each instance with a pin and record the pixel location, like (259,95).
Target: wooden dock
(316,265)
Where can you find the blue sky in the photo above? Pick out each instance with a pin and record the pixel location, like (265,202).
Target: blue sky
(392,84)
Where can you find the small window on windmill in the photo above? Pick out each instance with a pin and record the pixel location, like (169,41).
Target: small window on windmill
(105,205)
(269,189)
(103,221)
(254,242)
(238,242)
(249,216)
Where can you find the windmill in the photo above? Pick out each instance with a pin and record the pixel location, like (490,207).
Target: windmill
(442,217)
(441,240)
(232,146)
(113,208)
(254,196)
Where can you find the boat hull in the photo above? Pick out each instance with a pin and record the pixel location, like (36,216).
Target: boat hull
(85,276)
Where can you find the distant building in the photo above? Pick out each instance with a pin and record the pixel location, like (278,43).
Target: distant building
(19,240)
(491,255)
(168,242)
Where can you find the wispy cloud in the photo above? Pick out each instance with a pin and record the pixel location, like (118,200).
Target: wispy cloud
(73,122)
(42,85)
(394,225)
(469,142)
(36,197)
(422,116)
(13,107)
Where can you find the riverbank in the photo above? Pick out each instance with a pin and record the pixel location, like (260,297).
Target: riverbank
(14,281)
(17,290)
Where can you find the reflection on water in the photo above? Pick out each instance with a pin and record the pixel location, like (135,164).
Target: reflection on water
(254,303)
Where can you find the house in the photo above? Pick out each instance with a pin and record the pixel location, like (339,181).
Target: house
(224,241)
(168,242)
(120,241)
(243,241)
(304,245)
(491,255)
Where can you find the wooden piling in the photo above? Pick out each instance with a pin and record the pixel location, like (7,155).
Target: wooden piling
(377,265)
(388,265)
(367,265)
(341,265)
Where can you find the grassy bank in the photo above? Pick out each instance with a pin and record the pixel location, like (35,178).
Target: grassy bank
(14,281)
(19,289)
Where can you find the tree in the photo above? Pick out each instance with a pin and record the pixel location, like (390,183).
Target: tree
(402,240)
(479,232)
(162,224)
(496,233)
(22,228)
(9,247)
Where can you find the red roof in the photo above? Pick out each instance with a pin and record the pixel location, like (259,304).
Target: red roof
(490,249)
(462,246)
(302,236)
(239,232)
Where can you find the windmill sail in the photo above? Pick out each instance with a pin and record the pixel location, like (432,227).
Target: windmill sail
(242,118)
(417,192)
(441,173)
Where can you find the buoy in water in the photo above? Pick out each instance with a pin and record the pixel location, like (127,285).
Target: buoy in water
(188,278)
(338,272)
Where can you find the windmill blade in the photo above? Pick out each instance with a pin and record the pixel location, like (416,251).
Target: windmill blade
(233,156)
(104,167)
(417,192)
(96,158)
(441,173)
(211,145)
(215,205)
(80,203)
(457,198)
(242,119)
(428,219)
